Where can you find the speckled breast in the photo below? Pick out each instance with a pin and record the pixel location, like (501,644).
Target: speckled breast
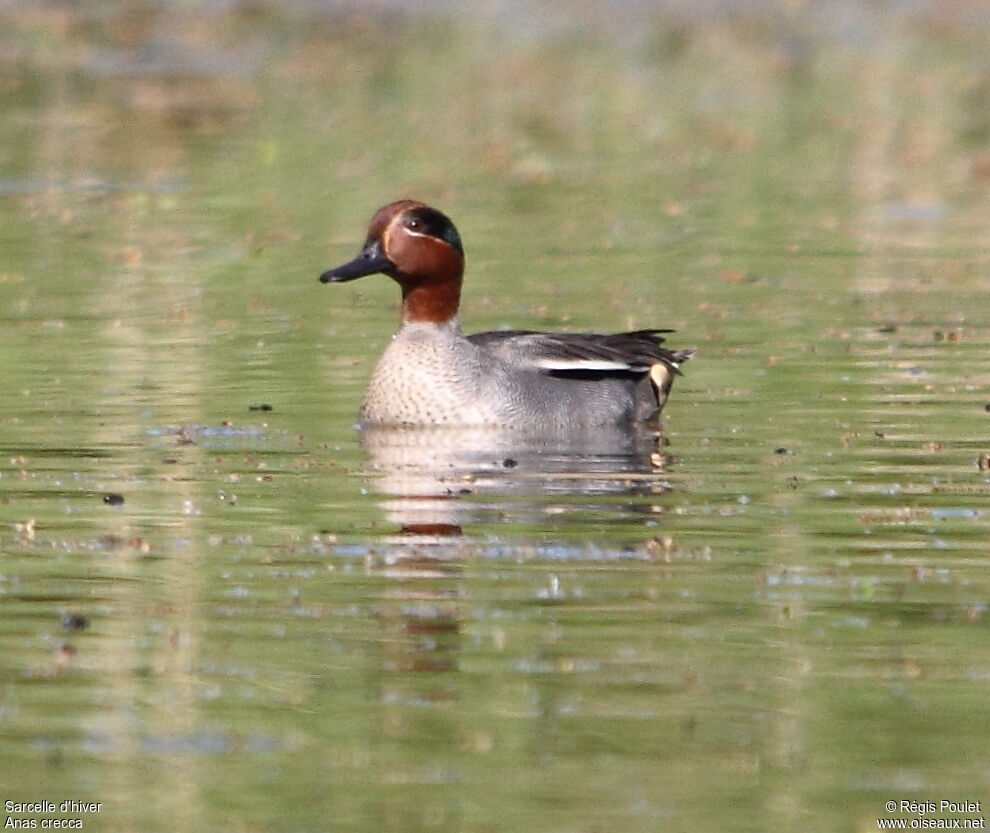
(430,375)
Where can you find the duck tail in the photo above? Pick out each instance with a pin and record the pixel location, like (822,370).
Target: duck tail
(662,374)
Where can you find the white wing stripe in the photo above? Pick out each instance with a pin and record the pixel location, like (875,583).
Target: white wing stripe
(581,364)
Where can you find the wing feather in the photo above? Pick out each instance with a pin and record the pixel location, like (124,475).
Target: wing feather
(632,352)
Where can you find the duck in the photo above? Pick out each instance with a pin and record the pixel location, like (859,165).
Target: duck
(432,374)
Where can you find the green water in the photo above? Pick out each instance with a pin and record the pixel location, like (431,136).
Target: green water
(773,618)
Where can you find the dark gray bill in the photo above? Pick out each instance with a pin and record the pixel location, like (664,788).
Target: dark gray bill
(370,261)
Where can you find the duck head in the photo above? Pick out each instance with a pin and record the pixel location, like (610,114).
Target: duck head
(419,248)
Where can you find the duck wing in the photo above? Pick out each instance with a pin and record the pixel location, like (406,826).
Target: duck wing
(562,353)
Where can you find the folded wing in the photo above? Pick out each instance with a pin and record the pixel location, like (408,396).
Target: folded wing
(566,353)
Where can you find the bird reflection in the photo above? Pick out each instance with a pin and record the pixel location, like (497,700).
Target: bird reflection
(434,483)
(435,480)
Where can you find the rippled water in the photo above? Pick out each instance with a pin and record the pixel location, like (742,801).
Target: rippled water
(223,607)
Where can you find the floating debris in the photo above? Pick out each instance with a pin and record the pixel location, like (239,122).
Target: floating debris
(26,529)
(74,621)
(63,655)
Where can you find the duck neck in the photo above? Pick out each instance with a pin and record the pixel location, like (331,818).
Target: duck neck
(434,302)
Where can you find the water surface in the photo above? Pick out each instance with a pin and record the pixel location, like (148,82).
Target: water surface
(222,607)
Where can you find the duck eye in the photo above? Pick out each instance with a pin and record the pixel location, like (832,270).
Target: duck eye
(413,224)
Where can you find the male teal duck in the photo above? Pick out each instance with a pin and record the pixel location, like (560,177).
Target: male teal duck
(432,374)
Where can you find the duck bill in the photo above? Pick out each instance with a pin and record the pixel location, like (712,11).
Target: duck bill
(370,261)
